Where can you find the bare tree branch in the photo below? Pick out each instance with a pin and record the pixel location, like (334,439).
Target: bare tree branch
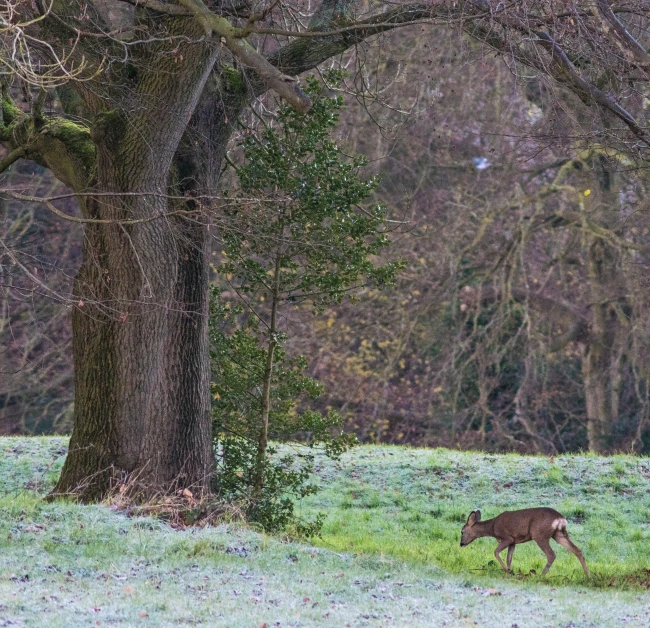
(638,52)
(285,86)
(96,221)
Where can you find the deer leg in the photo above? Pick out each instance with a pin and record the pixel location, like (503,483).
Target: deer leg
(545,546)
(563,539)
(502,545)
(511,551)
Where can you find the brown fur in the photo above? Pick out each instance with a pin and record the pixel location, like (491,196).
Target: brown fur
(520,526)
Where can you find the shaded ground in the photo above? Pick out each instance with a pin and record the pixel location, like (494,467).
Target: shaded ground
(68,565)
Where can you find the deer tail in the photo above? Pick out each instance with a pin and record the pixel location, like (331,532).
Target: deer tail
(559,525)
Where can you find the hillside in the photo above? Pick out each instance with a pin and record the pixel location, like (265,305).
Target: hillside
(389,554)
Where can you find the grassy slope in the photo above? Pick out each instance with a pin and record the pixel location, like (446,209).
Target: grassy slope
(411,504)
(394,519)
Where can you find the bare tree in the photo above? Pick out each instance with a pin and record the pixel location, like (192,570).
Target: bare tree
(149,92)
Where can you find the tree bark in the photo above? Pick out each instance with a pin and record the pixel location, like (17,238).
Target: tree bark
(140,343)
(598,366)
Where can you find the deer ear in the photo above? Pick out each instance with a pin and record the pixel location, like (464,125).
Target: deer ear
(471,520)
(477,515)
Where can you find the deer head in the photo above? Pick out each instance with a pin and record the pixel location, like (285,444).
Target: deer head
(469,533)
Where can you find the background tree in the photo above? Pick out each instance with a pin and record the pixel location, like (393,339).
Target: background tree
(138,133)
(489,202)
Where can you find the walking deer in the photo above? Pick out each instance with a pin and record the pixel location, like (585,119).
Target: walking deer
(520,526)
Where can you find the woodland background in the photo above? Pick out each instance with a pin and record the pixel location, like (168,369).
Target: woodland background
(524,302)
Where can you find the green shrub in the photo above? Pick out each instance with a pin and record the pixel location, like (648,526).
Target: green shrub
(294,232)
(238,360)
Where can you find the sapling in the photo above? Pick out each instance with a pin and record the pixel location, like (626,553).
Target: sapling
(296,231)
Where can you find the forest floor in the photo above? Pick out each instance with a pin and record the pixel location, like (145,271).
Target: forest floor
(389,553)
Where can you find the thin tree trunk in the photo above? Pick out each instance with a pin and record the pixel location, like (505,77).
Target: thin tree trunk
(266,383)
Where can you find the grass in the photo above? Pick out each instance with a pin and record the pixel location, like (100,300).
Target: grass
(411,503)
(389,555)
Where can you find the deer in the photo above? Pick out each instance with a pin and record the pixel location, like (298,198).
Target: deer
(520,526)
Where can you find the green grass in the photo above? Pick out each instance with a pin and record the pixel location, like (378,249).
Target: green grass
(410,504)
(389,555)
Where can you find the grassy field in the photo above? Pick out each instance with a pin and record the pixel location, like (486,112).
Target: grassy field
(411,503)
(389,555)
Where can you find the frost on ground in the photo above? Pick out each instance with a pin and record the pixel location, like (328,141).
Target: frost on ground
(68,565)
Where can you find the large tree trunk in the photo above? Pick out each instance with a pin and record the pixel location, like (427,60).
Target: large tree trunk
(141,365)
(140,342)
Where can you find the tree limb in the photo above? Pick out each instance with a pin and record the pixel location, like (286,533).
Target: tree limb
(97,221)
(159,7)
(632,45)
(12,157)
(329,40)
(231,37)
(565,72)
(560,69)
